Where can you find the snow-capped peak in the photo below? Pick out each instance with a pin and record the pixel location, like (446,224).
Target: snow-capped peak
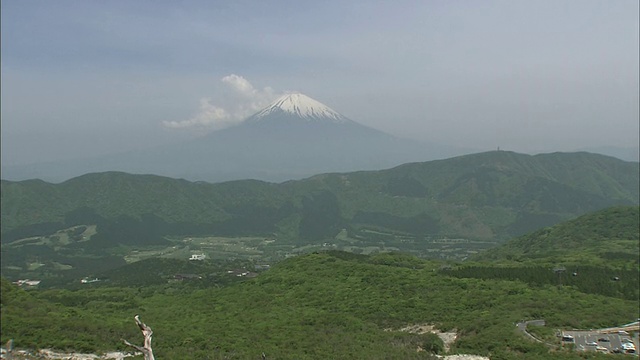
(303,106)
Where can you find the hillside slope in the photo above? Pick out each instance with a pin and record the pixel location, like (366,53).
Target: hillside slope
(606,237)
(490,195)
(324,305)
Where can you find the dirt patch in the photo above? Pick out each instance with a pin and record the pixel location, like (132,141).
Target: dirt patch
(53,355)
(447,337)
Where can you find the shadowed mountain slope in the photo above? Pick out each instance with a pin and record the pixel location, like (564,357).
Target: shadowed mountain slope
(490,195)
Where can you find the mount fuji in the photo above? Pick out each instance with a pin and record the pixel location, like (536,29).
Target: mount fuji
(292,138)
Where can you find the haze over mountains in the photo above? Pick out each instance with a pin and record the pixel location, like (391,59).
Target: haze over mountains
(294,137)
(483,196)
(449,169)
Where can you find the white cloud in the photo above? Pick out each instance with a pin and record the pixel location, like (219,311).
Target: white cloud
(239,84)
(239,101)
(208,116)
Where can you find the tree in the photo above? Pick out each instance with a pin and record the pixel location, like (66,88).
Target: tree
(147,333)
(433,343)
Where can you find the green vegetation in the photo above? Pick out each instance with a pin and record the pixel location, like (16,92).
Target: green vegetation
(606,281)
(135,234)
(321,305)
(448,210)
(485,196)
(39,323)
(610,237)
(544,333)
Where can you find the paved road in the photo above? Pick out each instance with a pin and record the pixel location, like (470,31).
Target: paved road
(522,326)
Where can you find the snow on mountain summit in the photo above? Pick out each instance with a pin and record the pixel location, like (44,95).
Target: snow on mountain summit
(303,106)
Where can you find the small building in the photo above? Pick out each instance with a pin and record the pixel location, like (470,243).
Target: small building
(27,282)
(198,257)
(238,272)
(88,281)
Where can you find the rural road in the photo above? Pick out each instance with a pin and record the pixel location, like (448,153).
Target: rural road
(522,326)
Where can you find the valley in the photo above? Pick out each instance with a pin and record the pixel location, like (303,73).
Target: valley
(333,266)
(448,210)
(60,252)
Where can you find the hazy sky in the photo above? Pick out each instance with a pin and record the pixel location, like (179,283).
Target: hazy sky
(81,78)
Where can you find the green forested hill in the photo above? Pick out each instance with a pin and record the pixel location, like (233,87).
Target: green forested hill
(40,323)
(332,305)
(606,237)
(596,253)
(327,304)
(490,195)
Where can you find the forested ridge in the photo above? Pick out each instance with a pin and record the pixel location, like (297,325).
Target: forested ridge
(493,195)
(609,237)
(582,273)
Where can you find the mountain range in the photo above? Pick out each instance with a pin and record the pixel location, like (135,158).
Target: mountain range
(292,138)
(493,195)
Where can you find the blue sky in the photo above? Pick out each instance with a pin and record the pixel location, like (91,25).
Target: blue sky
(81,78)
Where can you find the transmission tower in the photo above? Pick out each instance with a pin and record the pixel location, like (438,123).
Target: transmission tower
(559,270)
